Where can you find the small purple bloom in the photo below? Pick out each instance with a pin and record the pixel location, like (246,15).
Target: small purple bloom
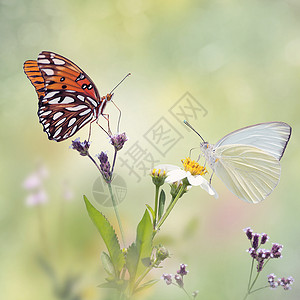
(103,158)
(267,254)
(255,240)
(249,233)
(252,252)
(179,280)
(264,238)
(167,278)
(118,140)
(276,250)
(182,271)
(105,167)
(81,147)
(286,282)
(260,264)
(272,282)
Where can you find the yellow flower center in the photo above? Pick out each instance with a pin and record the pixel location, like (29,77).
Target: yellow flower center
(158,173)
(193,167)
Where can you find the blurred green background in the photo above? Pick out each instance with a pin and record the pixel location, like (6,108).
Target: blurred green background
(239,59)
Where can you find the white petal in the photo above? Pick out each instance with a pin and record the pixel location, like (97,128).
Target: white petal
(196,180)
(176,175)
(208,188)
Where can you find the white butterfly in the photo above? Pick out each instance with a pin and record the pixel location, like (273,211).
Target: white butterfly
(247,160)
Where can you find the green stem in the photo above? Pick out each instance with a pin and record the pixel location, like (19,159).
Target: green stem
(114,161)
(187,293)
(249,291)
(94,163)
(183,290)
(170,207)
(116,213)
(144,275)
(264,287)
(251,271)
(156,205)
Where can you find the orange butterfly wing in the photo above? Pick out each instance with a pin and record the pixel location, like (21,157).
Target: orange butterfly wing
(68,98)
(34,74)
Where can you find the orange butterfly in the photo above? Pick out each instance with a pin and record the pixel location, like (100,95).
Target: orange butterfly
(68,98)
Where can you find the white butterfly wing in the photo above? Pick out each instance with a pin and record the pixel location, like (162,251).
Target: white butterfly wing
(271,137)
(248,172)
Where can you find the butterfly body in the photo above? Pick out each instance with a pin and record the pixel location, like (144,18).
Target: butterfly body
(247,160)
(68,98)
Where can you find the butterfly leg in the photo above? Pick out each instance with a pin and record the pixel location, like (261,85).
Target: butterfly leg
(211,177)
(119,119)
(102,128)
(106,117)
(190,153)
(90,130)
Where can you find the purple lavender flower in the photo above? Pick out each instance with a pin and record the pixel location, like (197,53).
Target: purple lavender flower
(286,282)
(276,250)
(105,167)
(118,140)
(167,278)
(179,280)
(255,240)
(264,238)
(252,252)
(260,264)
(249,233)
(81,147)
(272,282)
(182,271)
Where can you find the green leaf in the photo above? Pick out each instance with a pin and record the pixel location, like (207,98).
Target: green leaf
(108,235)
(141,249)
(118,285)
(161,207)
(151,210)
(147,285)
(107,264)
(144,238)
(132,259)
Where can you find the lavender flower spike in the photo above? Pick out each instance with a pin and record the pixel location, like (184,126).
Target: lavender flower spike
(118,140)
(179,280)
(182,271)
(264,238)
(105,167)
(249,233)
(81,147)
(167,278)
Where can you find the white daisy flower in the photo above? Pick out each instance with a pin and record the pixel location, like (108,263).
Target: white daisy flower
(192,171)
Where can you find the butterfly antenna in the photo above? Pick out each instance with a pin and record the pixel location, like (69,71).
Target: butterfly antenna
(120,82)
(190,126)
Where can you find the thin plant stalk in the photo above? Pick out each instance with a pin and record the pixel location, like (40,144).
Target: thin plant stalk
(156,206)
(139,280)
(184,291)
(170,207)
(114,161)
(112,198)
(94,163)
(116,213)
(250,273)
